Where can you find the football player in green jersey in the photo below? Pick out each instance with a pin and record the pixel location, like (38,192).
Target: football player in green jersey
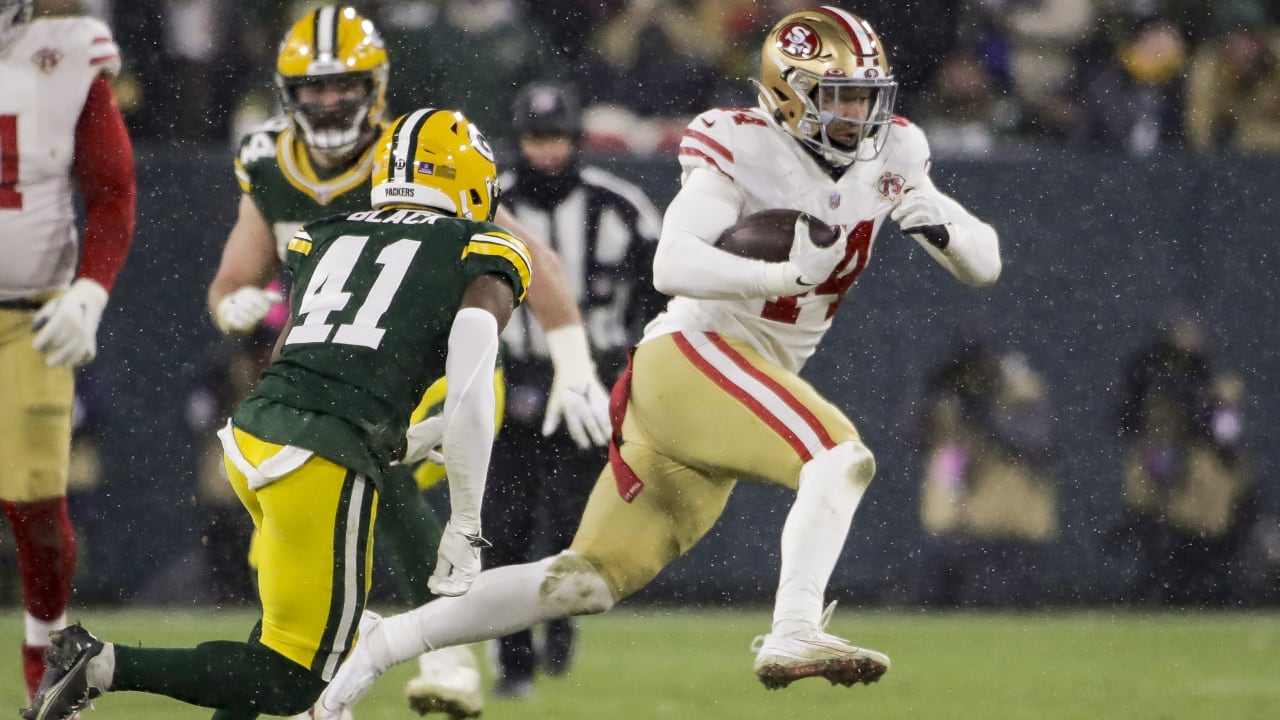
(331,73)
(384,301)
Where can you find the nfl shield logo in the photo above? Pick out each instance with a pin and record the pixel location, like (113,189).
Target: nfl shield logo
(833,200)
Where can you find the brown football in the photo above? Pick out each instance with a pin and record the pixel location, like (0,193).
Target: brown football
(767,235)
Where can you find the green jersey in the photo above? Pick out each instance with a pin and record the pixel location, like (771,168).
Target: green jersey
(375,293)
(274,169)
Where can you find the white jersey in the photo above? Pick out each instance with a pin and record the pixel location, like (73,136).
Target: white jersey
(45,76)
(772,170)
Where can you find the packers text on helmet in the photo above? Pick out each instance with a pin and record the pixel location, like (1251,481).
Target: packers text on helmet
(819,64)
(437,159)
(331,74)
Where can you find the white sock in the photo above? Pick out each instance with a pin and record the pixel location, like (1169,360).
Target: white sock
(37,631)
(500,602)
(447,659)
(102,668)
(814,533)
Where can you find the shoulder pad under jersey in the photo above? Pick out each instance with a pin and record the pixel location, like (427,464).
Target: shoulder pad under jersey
(74,42)
(710,139)
(259,145)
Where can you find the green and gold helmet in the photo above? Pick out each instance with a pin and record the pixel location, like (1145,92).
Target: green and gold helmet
(437,159)
(331,74)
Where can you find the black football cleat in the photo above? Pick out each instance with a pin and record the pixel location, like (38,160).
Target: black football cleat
(65,689)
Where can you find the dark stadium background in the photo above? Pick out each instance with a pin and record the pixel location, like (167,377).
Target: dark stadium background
(1095,248)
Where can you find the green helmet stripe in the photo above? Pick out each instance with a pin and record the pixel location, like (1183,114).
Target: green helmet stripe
(406,137)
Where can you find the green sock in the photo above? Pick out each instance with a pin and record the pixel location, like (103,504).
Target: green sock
(408,535)
(240,679)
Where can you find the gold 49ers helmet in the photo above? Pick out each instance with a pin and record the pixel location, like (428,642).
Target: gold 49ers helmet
(331,74)
(437,159)
(809,60)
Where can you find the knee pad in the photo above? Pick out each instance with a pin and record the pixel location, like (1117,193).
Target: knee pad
(572,585)
(850,460)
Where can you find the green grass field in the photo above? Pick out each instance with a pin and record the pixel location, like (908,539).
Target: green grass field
(664,663)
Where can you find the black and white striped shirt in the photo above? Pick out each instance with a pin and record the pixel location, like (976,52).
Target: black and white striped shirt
(605,231)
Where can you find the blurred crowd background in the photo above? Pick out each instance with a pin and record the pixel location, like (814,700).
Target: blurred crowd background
(1132,76)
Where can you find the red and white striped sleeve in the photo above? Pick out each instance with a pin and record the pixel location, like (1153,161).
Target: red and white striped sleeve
(706,144)
(104,54)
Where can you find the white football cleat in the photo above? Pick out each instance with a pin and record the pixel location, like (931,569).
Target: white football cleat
(783,659)
(448,681)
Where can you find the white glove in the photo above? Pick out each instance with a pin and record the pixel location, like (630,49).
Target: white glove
(814,264)
(920,214)
(576,393)
(457,561)
(66,326)
(241,311)
(422,441)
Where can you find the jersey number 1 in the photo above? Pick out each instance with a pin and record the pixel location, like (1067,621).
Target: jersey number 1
(325,294)
(10,198)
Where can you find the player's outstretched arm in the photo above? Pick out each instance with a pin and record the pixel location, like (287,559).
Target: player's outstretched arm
(238,298)
(577,396)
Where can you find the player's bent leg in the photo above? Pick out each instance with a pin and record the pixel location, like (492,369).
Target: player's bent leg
(501,601)
(629,543)
(242,678)
(830,488)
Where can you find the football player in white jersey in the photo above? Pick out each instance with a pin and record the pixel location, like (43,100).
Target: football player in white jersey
(712,395)
(60,129)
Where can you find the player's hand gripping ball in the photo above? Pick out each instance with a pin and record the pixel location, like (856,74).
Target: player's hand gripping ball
(768,235)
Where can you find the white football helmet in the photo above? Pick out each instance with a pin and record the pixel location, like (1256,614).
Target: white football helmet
(812,64)
(13,15)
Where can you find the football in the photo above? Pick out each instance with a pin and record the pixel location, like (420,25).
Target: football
(767,235)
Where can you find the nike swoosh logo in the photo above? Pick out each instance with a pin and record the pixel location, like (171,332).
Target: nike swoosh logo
(707,122)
